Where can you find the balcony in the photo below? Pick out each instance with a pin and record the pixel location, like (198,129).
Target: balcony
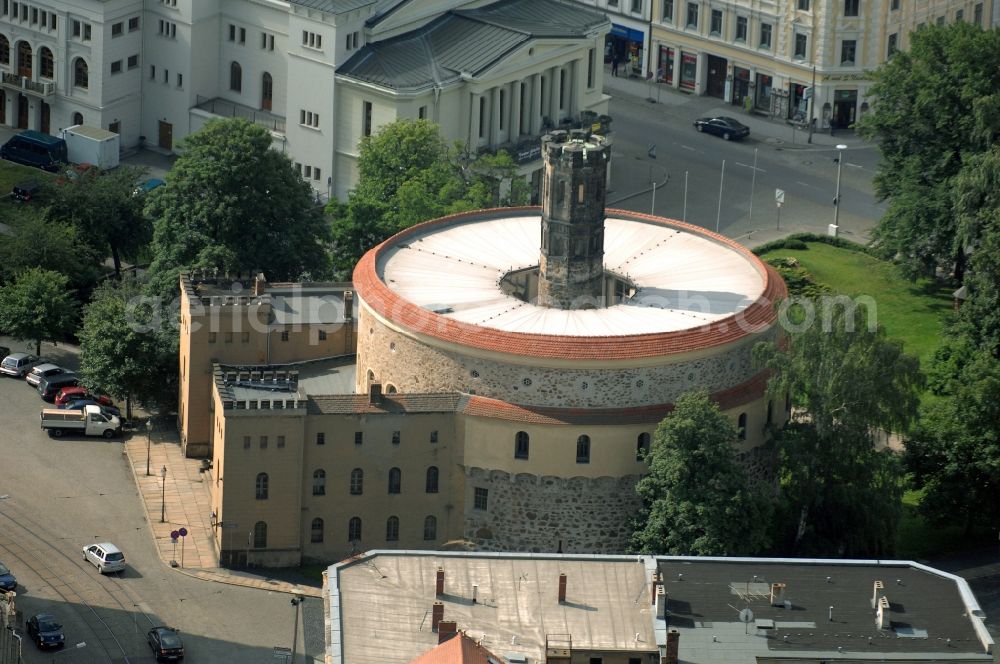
(228,109)
(26,85)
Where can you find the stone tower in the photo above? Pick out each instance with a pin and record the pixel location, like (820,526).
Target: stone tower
(571,265)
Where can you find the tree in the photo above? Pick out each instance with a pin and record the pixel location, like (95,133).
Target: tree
(105,209)
(935,105)
(38,307)
(697,499)
(233,204)
(35,242)
(840,495)
(954,455)
(125,349)
(408,174)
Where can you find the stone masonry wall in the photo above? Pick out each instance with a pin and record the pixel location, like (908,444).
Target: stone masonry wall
(410,365)
(533,514)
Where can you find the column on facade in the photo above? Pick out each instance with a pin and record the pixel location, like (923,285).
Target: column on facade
(676,82)
(515,111)
(701,74)
(474,102)
(33,113)
(495,116)
(574,86)
(10,101)
(536,104)
(554,95)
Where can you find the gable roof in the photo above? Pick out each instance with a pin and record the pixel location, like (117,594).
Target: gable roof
(459,649)
(467,41)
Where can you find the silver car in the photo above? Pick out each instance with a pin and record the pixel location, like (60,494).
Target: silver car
(18,364)
(41,371)
(105,556)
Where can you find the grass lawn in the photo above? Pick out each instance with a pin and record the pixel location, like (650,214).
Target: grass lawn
(913,312)
(11,174)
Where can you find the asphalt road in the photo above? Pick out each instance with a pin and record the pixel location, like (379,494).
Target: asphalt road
(57,496)
(807,174)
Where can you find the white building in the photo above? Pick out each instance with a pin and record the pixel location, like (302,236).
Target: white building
(319,74)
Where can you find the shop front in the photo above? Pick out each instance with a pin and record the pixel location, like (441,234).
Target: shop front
(628,45)
(741,85)
(689,71)
(798,105)
(715,83)
(665,68)
(762,92)
(845,103)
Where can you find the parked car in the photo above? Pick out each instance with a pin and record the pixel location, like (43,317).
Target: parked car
(25,192)
(166,644)
(105,556)
(49,387)
(40,371)
(726,127)
(78,404)
(147,186)
(76,393)
(19,364)
(33,148)
(7,580)
(46,630)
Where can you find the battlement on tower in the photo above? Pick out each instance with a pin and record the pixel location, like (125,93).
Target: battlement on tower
(576,148)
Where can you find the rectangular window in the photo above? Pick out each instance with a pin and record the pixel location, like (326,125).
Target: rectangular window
(117,29)
(804,5)
(716,28)
(482,115)
(152,72)
(281,441)
(116,67)
(801,45)
(765,35)
(848,49)
(977,15)
(232,32)
(133,61)
(893,45)
(322,333)
(366,127)
(482,499)
(34,15)
(359,437)
(668,11)
(395,438)
(741,29)
(320,438)
(637,6)
(133,24)
(77,26)
(692,17)
(308,171)
(422,113)
(940,20)
(851,7)
(284,335)
(959,15)
(246,442)
(243,35)
(434,436)
(317,176)
(263,442)
(590,67)
(263,40)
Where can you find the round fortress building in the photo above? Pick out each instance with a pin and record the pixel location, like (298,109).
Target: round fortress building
(570,330)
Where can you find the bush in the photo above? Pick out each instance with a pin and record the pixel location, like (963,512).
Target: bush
(797,242)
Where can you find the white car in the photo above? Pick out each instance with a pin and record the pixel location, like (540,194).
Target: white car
(105,556)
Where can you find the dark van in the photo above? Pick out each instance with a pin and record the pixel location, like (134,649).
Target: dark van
(34,148)
(49,386)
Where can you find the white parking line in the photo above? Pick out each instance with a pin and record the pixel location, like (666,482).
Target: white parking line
(847,163)
(688,147)
(749,166)
(804,184)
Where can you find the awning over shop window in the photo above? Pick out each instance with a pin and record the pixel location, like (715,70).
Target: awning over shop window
(627,33)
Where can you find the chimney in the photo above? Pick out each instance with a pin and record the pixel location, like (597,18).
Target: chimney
(661,602)
(439,583)
(446,630)
(777,594)
(437,614)
(882,619)
(375,393)
(562,588)
(348,305)
(877,589)
(259,284)
(673,647)
(657,580)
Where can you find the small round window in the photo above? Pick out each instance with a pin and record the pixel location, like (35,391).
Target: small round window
(474,373)
(526,382)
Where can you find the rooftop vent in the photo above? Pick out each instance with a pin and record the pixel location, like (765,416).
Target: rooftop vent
(877,588)
(562,588)
(439,582)
(777,594)
(661,602)
(882,619)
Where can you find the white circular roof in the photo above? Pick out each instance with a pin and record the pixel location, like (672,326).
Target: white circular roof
(685,277)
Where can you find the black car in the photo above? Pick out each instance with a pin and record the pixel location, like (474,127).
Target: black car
(166,643)
(23,192)
(46,630)
(728,128)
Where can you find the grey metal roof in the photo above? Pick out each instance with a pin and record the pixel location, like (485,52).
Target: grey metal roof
(468,41)
(309,305)
(333,6)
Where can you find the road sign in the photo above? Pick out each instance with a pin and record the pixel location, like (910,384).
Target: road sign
(779,196)
(183,532)
(808,93)
(746,615)
(174,534)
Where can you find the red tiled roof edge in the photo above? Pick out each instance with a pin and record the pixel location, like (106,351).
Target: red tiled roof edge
(757,317)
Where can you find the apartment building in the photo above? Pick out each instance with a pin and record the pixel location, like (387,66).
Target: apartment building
(629,37)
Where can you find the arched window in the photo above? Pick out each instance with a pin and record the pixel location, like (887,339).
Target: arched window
(430,528)
(390,389)
(78,118)
(24,59)
(392,529)
(261,486)
(521,445)
(81,73)
(741,426)
(260,535)
(354,529)
(266,91)
(319,482)
(357,482)
(235,77)
(47,66)
(317,531)
(395,480)
(432,479)
(642,447)
(583,449)
(4,50)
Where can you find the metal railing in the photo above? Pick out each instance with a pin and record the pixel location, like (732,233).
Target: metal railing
(228,109)
(25,84)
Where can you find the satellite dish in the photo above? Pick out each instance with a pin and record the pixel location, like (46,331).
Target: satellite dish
(746,616)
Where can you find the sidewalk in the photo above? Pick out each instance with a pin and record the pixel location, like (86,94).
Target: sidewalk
(186,502)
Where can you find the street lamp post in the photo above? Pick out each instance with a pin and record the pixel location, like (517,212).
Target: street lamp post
(149,432)
(296,602)
(163,495)
(836,201)
(81,644)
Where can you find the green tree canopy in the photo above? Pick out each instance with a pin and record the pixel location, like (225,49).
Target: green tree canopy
(125,350)
(38,307)
(697,499)
(105,210)
(840,494)
(233,204)
(934,106)
(35,242)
